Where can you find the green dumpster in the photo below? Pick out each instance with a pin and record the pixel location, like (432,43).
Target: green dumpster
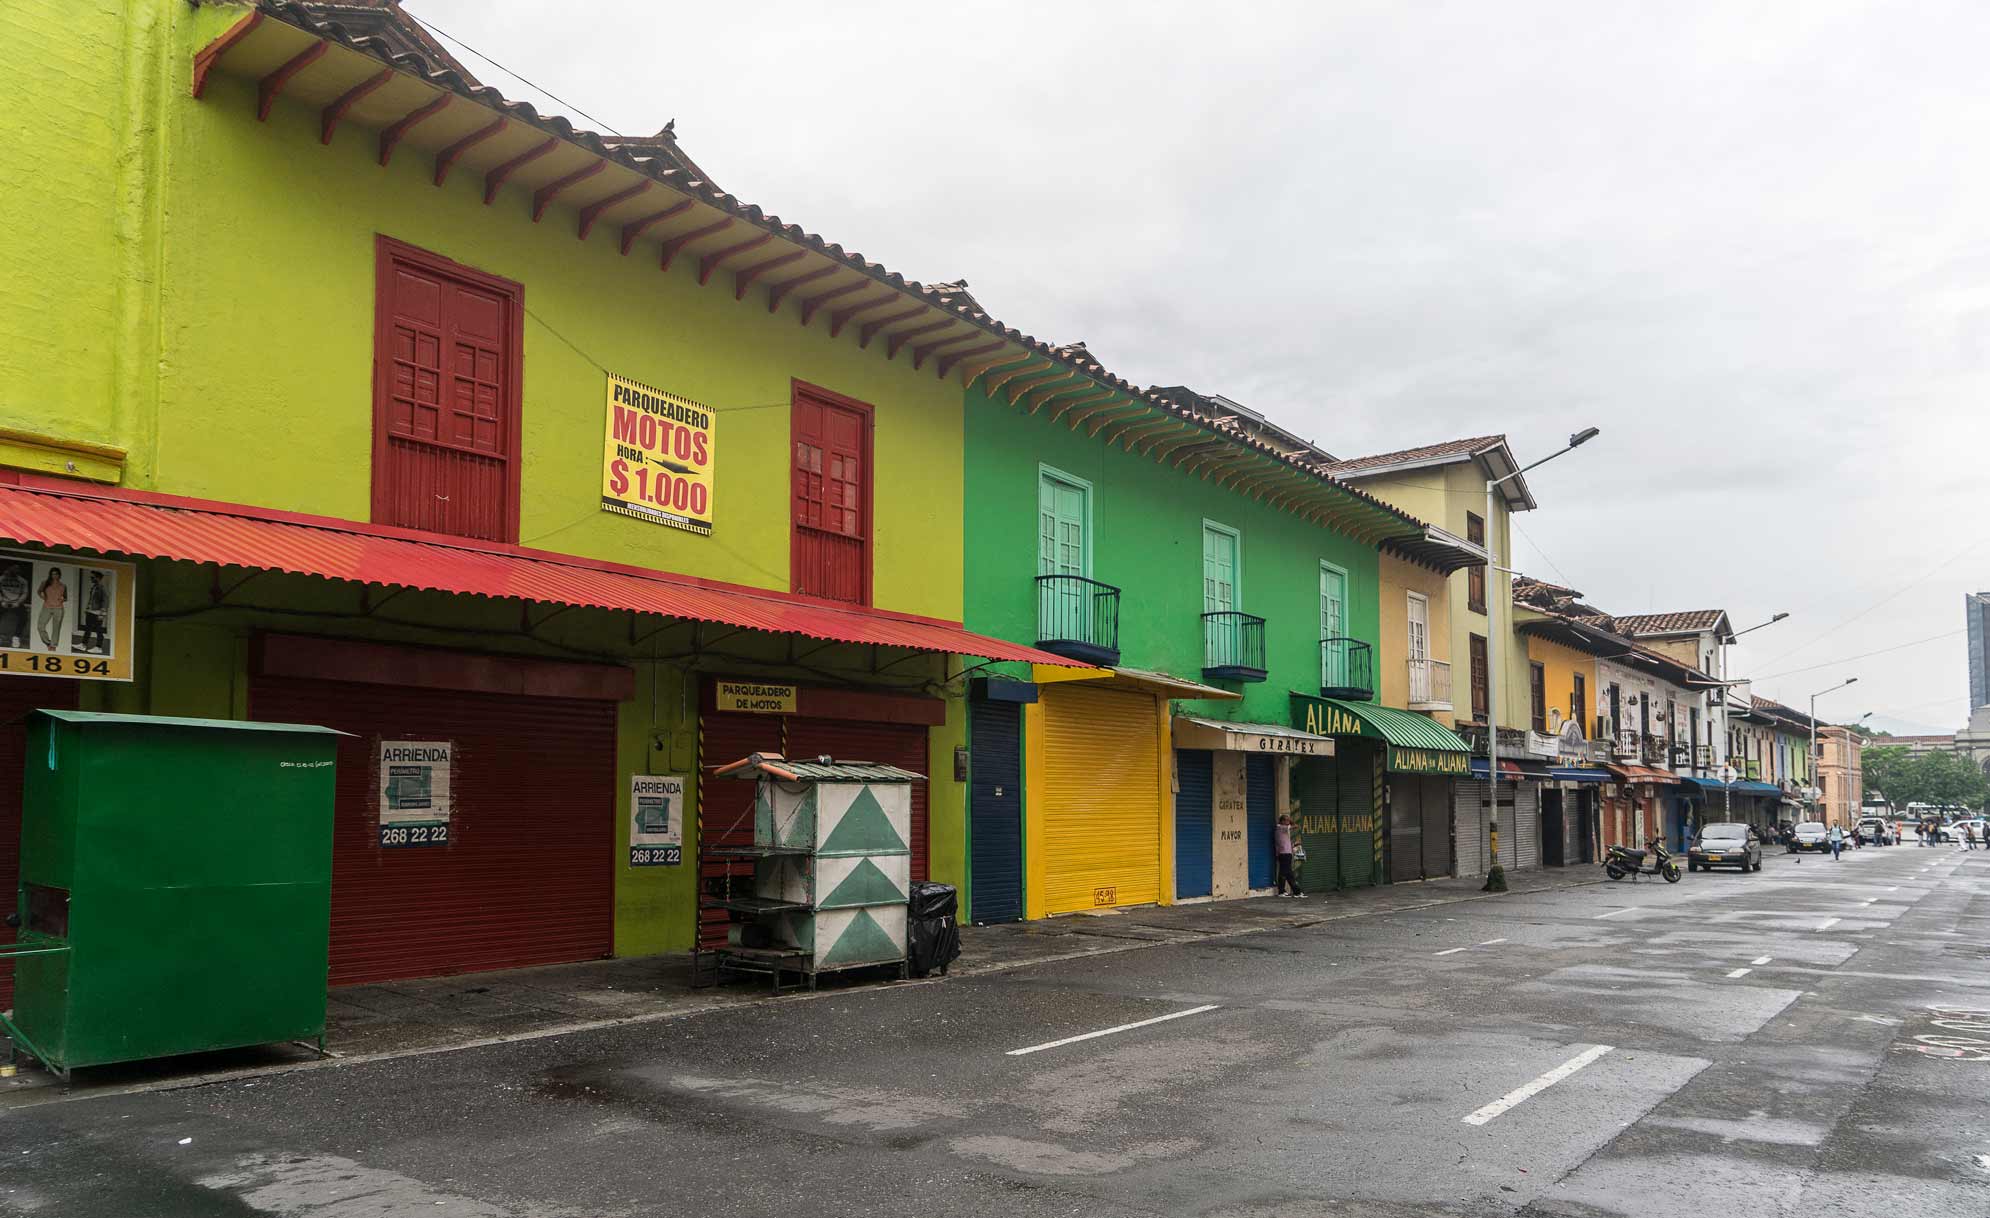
(175,886)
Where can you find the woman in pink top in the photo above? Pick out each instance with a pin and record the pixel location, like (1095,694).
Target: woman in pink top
(1282,847)
(54,596)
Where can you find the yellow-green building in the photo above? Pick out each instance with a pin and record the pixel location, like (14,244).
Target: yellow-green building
(339,389)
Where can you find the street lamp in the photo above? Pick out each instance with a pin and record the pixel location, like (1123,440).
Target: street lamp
(1815,762)
(1496,876)
(1721,752)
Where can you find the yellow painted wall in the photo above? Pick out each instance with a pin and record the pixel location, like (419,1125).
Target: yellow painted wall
(1559,665)
(1443,496)
(1398,580)
(249,372)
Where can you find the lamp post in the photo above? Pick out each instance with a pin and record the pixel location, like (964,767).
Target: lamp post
(1815,761)
(1721,752)
(1496,875)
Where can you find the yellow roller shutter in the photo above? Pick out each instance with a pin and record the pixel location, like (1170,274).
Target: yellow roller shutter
(1101,798)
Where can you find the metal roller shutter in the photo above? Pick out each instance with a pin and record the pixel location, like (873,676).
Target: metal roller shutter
(1260,815)
(18,696)
(1436,827)
(527,877)
(1195,823)
(1405,829)
(995,811)
(1101,798)
(1316,791)
(1358,794)
(1470,807)
(1526,816)
(725,805)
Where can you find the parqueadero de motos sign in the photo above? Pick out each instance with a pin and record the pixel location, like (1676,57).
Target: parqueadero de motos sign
(658,457)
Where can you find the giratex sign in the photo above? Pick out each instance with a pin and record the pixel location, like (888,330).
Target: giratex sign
(754,697)
(658,457)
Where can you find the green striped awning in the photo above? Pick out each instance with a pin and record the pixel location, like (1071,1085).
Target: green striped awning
(1416,743)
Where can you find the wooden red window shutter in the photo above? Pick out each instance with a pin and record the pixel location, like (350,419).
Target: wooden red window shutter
(831,475)
(446,392)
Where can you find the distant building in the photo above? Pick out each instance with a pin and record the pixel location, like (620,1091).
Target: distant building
(1976,615)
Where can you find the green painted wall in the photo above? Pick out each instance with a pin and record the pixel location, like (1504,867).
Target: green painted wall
(1147,539)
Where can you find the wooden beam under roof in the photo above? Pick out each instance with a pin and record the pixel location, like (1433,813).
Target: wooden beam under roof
(642,224)
(718,257)
(1098,399)
(592,212)
(1031,366)
(333,114)
(677,241)
(948,362)
(777,292)
(743,278)
(923,351)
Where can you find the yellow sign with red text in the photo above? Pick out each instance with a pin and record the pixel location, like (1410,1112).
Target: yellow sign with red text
(657,457)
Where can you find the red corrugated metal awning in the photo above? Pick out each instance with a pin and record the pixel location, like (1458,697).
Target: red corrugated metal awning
(190,530)
(1642,773)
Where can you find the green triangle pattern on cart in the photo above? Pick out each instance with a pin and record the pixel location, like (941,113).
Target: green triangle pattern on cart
(863,942)
(797,822)
(865,885)
(864,829)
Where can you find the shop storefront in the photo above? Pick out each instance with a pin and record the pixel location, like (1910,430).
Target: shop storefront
(1227,801)
(1636,807)
(1389,796)
(1098,799)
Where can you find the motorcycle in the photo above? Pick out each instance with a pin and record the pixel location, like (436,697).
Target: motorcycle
(1620,861)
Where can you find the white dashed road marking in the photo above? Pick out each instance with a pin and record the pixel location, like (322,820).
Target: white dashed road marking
(1521,1095)
(1490,942)
(1613,913)
(1828,923)
(1452,951)
(1125,1027)
(1739,972)
(1761,960)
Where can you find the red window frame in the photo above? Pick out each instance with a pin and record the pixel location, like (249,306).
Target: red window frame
(387,253)
(800,390)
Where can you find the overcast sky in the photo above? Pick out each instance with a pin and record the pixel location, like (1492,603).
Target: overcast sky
(1751,242)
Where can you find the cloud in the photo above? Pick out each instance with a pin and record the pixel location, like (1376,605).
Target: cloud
(1749,242)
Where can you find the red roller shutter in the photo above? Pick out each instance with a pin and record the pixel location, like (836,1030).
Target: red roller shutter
(726,805)
(527,877)
(18,696)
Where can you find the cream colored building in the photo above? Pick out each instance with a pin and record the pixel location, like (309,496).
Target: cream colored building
(1838,776)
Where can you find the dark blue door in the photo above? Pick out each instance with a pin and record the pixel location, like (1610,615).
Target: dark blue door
(1260,813)
(995,811)
(1195,823)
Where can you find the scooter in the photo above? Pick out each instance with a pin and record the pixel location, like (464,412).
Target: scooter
(1620,861)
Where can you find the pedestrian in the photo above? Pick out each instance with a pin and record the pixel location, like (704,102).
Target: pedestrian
(1284,844)
(54,596)
(1837,841)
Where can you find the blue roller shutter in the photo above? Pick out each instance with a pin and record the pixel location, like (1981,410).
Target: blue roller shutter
(1260,814)
(995,812)
(1195,823)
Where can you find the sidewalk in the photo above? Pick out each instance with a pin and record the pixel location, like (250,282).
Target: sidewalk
(402,1018)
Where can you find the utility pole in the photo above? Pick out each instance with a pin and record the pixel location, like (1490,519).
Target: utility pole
(1496,874)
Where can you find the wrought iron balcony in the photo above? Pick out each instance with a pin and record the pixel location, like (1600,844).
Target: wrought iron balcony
(1078,618)
(1657,751)
(1232,647)
(1347,669)
(1430,685)
(1627,746)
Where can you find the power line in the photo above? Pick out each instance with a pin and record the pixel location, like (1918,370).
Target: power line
(1929,574)
(1933,638)
(432,28)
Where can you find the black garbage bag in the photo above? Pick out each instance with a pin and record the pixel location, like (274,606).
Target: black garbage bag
(932,928)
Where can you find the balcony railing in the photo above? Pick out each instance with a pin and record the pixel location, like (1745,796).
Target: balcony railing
(1232,647)
(1347,669)
(1657,751)
(1626,744)
(1430,685)
(1078,618)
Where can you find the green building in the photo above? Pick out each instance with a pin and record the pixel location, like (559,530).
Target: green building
(1193,551)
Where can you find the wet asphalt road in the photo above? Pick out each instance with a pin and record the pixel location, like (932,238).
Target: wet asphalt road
(1813,1039)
